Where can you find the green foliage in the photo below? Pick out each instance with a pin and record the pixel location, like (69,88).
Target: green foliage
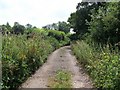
(60,26)
(60,36)
(21,55)
(57,34)
(78,20)
(63,26)
(99,55)
(104,25)
(18,29)
(103,64)
(62,80)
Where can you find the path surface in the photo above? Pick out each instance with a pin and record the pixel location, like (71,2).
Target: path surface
(61,59)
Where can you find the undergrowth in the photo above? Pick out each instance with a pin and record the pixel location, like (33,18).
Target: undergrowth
(102,64)
(23,55)
(62,80)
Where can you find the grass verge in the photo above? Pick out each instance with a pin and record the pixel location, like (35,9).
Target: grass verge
(62,79)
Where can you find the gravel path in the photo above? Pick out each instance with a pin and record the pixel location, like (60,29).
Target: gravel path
(61,59)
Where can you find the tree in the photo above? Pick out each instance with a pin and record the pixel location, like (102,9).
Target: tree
(18,29)
(104,25)
(55,26)
(28,26)
(60,26)
(8,27)
(78,20)
(63,26)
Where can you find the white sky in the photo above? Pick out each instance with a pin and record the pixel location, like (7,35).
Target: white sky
(36,12)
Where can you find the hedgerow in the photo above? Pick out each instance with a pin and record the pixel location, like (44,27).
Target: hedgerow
(22,56)
(102,64)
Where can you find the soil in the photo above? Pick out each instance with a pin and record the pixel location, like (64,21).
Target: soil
(61,59)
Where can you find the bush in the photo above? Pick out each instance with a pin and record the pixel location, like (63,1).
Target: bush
(22,56)
(103,64)
(104,24)
(59,35)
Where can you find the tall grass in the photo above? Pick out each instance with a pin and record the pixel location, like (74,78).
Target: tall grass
(102,64)
(21,56)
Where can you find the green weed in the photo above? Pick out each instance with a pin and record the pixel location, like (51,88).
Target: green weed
(62,80)
(102,64)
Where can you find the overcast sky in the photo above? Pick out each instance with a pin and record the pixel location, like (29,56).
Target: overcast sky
(36,12)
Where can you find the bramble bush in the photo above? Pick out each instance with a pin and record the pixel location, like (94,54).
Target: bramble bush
(103,64)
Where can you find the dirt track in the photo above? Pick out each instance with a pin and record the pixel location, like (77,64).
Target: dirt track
(61,59)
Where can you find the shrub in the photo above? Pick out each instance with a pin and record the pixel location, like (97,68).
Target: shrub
(22,56)
(102,64)
(59,35)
